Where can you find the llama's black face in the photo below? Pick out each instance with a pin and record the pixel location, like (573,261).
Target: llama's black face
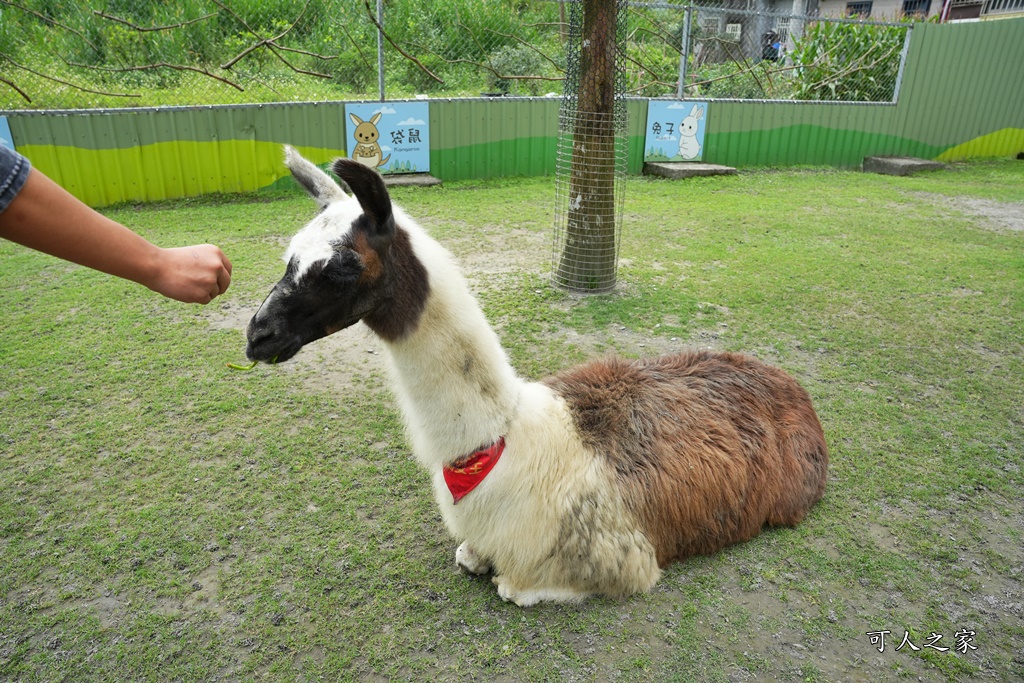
(305,307)
(335,266)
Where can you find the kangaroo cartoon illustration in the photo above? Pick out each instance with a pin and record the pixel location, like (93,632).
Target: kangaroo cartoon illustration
(689,147)
(367,151)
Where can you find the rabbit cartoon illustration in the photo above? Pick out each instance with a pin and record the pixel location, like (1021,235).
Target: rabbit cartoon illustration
(689,147)
(367,151)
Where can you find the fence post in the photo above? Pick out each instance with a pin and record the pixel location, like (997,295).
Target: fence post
(681,88)
(903,63)
(380,48)
(796,26)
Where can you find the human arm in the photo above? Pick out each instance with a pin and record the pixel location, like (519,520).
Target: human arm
(45,217)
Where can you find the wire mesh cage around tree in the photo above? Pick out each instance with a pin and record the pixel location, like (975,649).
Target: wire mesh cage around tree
(592,149)
(589,192)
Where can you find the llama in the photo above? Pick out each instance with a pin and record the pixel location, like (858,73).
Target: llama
(589,482)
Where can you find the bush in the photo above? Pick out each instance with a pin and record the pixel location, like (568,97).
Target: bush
(419,80)
(847,62)
(652,68)
(761,81)
(456,39)
(515,60)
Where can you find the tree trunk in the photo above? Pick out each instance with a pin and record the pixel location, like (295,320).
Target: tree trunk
(588,258)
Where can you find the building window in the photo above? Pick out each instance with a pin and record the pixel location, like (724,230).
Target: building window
(858,9)
(709,25)
(782,29)
(917,8)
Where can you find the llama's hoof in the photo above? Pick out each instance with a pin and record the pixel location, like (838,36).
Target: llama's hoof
(469,562)
(530,597)
(510,594)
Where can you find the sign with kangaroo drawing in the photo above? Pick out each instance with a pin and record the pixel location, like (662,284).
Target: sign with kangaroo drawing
(675,131)
(392,137)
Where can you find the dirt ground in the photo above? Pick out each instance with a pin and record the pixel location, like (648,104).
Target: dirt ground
(991,215)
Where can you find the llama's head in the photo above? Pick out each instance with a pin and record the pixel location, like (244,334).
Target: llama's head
(350,263)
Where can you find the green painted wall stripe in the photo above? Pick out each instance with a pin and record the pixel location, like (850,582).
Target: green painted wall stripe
(461,123)
(308,125)
(992,145)
(844,147)
(733,116)
(963,81)
(166,170)
(526,156)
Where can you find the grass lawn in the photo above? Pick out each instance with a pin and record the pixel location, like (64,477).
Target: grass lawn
(167,518)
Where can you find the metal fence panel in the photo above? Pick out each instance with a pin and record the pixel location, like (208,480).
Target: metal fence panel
(96,54)
(110,53)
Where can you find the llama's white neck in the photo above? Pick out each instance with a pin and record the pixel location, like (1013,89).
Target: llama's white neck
(453,380)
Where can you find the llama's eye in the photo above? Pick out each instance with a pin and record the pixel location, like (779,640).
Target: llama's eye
(343,268)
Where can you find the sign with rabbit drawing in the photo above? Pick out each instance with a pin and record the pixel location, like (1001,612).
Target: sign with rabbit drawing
(675,130)
(392,137)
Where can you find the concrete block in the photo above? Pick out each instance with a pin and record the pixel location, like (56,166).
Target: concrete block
(410,180)
(899,165)
(685,169)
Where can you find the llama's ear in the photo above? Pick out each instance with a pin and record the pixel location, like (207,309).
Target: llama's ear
(317,183)
(368,187)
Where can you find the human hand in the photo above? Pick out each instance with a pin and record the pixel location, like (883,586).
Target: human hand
(193,275)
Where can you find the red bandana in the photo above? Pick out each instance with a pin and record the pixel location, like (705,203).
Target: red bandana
(465,474)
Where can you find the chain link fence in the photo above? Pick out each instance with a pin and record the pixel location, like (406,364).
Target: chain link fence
(56,54)
(87,54)
(764,54)
(124,53)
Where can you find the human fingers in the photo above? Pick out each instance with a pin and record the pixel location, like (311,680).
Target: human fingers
(195,274)
(212,273)
(219,268)
(224,275)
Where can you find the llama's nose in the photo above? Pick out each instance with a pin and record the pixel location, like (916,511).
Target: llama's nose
(255,332)
(256,335)
(269,342)
(259,327)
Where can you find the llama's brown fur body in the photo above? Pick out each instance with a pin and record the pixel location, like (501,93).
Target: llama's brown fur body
(706,448)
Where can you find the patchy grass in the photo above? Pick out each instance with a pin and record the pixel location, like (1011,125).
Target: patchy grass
(167,518)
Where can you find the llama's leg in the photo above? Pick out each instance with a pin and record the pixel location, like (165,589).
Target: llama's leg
(531,596)
(468,560)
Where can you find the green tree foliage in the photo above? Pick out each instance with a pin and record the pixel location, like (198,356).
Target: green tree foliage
(116,53)
(751,81)
(92,53)
(847,62)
